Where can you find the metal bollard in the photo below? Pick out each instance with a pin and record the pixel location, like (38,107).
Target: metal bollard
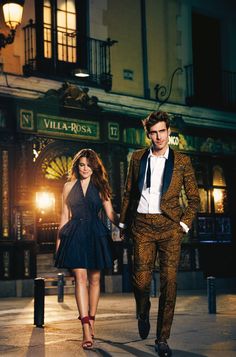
(39,295)
(153,290)
(60,287)
(211,293)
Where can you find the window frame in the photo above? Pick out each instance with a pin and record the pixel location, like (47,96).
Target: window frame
(53,66)
(211,217)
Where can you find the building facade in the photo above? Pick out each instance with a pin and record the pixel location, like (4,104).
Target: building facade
(140,56)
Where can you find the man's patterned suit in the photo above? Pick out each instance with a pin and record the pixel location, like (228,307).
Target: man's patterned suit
(158,232)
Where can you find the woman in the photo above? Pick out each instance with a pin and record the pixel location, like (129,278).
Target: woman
(82,243)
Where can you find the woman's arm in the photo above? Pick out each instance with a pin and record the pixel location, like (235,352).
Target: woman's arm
(111,214)
(64,211)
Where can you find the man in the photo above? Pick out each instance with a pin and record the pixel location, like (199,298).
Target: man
(152,213)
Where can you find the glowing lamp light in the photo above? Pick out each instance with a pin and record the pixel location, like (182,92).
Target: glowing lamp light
(12,12)
(81,73)
(217,194)
(45,200)
(218,200)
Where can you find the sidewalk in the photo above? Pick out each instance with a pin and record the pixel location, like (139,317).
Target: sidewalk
(195,333)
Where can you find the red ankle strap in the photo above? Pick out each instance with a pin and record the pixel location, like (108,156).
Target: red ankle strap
(85,320)
(91,317)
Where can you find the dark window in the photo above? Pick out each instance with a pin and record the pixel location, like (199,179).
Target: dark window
(206,60)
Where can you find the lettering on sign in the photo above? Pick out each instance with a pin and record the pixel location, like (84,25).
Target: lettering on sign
(67,127)
(113,131)
(26,119)
(174,140)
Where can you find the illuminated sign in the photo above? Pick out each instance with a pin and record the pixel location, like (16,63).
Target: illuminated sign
(174,140)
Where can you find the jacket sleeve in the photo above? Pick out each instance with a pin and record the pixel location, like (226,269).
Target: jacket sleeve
(192,193)
(125,207)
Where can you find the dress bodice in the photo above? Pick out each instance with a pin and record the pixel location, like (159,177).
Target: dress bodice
(83,239)
(84,206)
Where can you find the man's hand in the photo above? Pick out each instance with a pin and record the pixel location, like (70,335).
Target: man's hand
(122,233)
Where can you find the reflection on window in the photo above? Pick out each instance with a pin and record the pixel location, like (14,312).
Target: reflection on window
(223,228)
(218,176)
(220,200)
(204,201)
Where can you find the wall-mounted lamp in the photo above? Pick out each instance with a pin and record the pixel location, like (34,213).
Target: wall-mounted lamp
(81,73)
(12,11)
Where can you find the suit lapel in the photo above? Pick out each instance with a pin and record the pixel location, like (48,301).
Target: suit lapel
(142,169)
(168,171)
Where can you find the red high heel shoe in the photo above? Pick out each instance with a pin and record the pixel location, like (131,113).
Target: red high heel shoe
(86,344)
(92,329)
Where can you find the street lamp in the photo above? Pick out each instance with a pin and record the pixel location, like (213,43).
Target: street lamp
(81,73)
(12,11)
(45,201)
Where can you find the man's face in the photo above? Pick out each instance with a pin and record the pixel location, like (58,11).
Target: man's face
(159,134)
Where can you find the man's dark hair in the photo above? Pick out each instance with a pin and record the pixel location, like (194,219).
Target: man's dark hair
(155,118)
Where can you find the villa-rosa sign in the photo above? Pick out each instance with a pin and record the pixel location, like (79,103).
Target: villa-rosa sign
(67,127)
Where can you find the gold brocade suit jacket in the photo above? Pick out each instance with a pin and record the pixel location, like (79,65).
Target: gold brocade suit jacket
(178,172)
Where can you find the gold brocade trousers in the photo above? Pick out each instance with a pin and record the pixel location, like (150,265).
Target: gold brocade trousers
(152,234)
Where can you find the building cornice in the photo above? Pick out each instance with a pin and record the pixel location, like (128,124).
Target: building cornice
(35,88)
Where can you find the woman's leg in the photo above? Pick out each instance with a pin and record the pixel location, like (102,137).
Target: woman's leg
(94,293)
(82,299)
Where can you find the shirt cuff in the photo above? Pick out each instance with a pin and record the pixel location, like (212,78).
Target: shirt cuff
(122,225)
(184,226)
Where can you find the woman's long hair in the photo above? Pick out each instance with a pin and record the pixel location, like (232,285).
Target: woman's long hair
(99,176)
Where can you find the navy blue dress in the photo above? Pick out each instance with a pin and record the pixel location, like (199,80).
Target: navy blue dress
(84,238)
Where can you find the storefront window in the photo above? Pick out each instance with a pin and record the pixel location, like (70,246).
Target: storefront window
(218,176)
(220,200)
(213,222)
(204,201)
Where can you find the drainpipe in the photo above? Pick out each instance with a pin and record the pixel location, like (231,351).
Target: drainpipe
(146,90)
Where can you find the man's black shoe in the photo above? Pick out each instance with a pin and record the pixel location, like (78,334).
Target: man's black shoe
(163,349)
(143,327)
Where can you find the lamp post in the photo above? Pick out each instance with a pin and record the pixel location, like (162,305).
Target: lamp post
(12,12)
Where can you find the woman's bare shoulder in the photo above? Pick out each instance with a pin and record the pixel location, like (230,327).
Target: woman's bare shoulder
(68,186)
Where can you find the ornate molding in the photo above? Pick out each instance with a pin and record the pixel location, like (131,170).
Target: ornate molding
(73,96)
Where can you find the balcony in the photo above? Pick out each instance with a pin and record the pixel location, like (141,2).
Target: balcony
(213,91)
(94,56)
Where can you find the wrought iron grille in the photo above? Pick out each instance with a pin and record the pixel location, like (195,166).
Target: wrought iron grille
(97,58)
(227,91)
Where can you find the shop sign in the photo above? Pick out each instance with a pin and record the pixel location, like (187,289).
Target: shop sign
(113,131)
(174,140)
(49,124)
(26,119)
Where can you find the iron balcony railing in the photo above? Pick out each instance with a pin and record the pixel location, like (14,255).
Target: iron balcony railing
(202,93)
(96,57)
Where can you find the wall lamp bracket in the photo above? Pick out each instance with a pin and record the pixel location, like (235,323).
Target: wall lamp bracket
(161,91)
(6,40)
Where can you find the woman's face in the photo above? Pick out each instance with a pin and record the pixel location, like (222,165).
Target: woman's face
(85,170)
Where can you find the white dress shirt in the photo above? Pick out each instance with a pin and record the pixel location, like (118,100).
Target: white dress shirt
(151,197)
